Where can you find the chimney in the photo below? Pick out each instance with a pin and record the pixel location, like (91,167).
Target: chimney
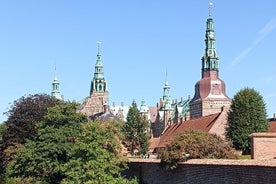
(274,115)
(105,108)
(181,99)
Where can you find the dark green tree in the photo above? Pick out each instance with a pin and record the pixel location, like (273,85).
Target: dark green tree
(247,115)
(3,128)
(136,131)
(197,145)
(22,117)
(42,158)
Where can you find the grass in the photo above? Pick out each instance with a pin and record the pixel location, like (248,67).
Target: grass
(244,157)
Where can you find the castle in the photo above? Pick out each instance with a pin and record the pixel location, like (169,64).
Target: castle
(206,106)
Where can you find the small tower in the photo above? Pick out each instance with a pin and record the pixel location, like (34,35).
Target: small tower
(167,102)
(55,88)
(210,95)
(98,97)
(98,84)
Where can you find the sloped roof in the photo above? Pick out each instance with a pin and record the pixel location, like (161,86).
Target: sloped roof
(204,124)
(105,116)
(153,142)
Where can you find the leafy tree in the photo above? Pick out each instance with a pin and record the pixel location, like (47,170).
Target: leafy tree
(67,149)
(198,145)
(247,115)
(3,128)
(22,117)
(97,157)
(136,131)
(42,158)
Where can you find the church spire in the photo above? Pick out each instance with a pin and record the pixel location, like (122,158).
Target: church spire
(55,88)
(166,94)
(210,58)
(98,84)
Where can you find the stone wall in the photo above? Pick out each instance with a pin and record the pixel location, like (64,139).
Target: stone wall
(204,171)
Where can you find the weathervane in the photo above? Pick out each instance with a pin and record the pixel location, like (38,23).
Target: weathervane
(210,8)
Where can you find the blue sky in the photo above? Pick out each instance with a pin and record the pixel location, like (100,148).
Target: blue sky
(141,39)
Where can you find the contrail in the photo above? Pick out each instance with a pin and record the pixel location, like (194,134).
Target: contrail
(265,31)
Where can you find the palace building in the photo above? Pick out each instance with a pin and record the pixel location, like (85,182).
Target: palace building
(206,111)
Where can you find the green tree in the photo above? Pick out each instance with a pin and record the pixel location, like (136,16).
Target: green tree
(22,117)
(3,128)
(97,157)
(68,149)
(136,131)
(247,115)
(197,145)
(42,159)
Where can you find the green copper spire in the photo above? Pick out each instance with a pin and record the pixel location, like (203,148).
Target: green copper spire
(166,95)
(210,58)
(55,88)
(143,107)
(98,84)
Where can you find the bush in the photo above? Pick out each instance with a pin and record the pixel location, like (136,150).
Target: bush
(197,145)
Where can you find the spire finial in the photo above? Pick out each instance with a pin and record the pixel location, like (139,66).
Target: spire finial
(210,8)
(99,46)
(55,68)
(166,80)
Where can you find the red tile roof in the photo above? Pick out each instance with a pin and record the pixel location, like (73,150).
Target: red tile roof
(204,124)
(153,143)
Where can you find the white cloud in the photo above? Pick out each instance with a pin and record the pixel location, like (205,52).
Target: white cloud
(264,32)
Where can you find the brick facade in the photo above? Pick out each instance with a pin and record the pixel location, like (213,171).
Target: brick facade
(94,104)
(204,171)
(263,146)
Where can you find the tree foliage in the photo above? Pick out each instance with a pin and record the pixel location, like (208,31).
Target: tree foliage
(67,149)
(22,117)
(3,128)
(197,145)
(247,115)
(136,131)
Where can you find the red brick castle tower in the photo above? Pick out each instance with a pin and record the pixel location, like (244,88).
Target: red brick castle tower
(210,95)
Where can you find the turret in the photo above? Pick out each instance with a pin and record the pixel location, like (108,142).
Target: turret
(98,84)
(55,88)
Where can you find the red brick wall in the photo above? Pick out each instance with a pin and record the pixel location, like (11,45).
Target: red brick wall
(263,145)
(190,173)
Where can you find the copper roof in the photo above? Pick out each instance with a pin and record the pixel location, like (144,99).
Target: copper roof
(204,124)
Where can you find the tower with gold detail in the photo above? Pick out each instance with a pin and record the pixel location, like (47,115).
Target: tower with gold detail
(210,93)
(98,98)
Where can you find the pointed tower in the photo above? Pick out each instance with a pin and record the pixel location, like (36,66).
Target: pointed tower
(167,102)
(210,95)
(55,88)
(98,98)
(98,84)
